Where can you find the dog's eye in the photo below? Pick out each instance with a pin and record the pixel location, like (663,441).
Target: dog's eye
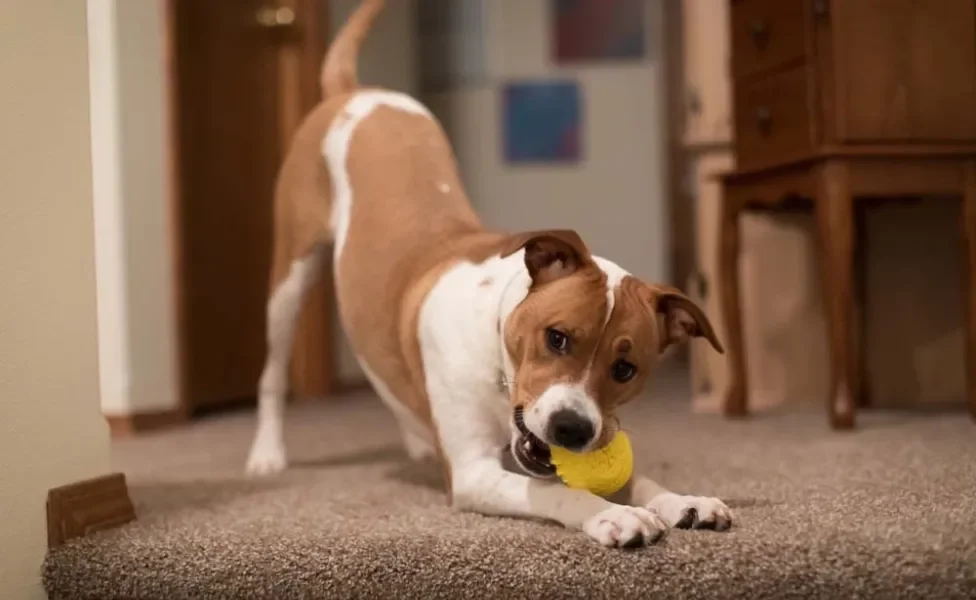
(557,341)
(622,371)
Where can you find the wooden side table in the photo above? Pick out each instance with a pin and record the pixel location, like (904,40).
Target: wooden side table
(833,185)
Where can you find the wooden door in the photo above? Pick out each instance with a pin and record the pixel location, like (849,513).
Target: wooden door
(243,74)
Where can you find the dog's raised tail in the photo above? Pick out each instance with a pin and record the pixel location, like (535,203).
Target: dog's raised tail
(339,70)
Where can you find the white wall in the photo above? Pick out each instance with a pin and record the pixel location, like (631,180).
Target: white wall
(615,197)
(137,322)
(388,57)
(51,432)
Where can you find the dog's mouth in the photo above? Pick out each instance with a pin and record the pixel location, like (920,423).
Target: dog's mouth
(531,453)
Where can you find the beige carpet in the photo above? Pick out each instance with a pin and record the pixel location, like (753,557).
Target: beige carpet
(886,512)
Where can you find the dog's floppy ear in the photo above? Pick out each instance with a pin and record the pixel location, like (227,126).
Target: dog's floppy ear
(549,255)
(681,317)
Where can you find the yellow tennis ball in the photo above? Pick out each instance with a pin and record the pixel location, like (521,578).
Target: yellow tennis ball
(603,472)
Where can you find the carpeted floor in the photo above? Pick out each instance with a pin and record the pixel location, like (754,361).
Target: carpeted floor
(886,512)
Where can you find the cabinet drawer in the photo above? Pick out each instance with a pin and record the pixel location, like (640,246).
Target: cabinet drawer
(767,34)
(772,119)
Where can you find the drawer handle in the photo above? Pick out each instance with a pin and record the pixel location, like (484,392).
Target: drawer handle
(764,120)
(759,30)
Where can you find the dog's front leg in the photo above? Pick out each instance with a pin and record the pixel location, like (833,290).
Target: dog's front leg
(681,511)
(484,486)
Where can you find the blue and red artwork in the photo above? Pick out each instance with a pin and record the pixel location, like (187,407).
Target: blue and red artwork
(585,30)
(542,121)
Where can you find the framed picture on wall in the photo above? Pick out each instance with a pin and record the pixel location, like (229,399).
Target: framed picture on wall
(597,30)
(542,121)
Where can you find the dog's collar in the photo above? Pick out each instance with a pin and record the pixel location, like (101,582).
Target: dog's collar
(503,377)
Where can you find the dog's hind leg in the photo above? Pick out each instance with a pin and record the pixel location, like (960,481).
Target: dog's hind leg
(290,282)
(417,444)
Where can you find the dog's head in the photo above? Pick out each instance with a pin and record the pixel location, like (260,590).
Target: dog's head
(582,343)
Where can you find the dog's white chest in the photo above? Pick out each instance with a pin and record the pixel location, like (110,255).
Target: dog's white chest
(463,356)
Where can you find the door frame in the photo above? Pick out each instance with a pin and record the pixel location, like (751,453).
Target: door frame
(313,365)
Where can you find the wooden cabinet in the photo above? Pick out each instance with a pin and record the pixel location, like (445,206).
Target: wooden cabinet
(836,102)
(904,70)
(811,75)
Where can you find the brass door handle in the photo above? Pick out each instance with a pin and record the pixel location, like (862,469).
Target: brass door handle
(275,17)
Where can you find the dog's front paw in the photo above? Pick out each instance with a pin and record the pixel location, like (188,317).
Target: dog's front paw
(267,457)
(692,512)
(626,526)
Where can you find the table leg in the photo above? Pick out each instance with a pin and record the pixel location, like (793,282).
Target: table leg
(835,224)
(969,235)
(735,400)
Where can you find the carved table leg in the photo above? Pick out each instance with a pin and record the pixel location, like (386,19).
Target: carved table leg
(735,401)
(969,235)
(835,223)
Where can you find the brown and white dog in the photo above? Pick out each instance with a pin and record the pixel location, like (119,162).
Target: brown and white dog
(476,340)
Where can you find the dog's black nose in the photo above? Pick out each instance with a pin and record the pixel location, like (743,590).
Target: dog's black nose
(570,430)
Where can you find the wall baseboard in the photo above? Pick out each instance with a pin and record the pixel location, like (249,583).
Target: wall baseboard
(125,426)
(122,426)
(85,507)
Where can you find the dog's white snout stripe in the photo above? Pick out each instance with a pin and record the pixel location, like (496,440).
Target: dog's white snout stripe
(559,397)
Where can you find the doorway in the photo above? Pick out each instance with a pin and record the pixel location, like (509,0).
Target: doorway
(242,74)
